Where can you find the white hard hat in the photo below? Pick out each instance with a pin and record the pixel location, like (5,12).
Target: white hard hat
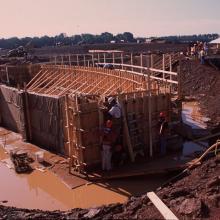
(110,99)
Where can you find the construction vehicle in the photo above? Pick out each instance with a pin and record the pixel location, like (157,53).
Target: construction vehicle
(18,52)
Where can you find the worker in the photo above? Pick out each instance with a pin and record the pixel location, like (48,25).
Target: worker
(115,115)
(202,56)
(107,146)
(163,132)
(205,47)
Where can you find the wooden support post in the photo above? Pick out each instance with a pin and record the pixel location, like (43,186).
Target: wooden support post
(27,113)
(104,58)
(150,115)
(126,131)
(132,69)
(84,60)
(98,58)
(152,61)
(55,60)
(69,141)
(101,119)
(113,57)
(122,61)
(69,59)
(79,136)
(163,62)
(62,59)
(7,76)
(93,62)
(77,59)
(180,95)
(170,61)
(141,59)
(163,66)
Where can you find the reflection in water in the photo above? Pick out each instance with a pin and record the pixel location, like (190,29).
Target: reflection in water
(45,191)
(190,147)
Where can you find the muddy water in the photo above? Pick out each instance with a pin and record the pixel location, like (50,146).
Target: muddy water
(43,190)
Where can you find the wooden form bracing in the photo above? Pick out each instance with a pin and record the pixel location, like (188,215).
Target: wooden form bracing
(84,120)
(59,80)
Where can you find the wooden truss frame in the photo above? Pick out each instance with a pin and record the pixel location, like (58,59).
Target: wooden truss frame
(61,80)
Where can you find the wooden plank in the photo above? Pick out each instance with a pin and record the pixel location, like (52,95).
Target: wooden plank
(27,112)
(150,116)
(161,207)
(126,131)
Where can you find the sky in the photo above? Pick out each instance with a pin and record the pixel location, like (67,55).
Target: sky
(143,18)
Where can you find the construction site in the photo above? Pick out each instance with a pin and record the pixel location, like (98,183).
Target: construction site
(53,114)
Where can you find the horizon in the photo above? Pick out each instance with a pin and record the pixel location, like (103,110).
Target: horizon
(29,18)
(6,38)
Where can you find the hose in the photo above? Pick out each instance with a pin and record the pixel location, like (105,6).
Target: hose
(214,146)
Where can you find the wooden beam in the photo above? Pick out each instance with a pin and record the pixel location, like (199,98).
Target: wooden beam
(34,78)
(150,115)
(40,81)
(27,113)
(126,131)
(122,60)
(50,81)
(62,79)
(161,207)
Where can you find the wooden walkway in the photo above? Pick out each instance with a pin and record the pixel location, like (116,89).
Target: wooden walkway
(157,166)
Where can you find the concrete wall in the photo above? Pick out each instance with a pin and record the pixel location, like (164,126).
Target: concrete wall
(46,122)
(12,110)
(45,117)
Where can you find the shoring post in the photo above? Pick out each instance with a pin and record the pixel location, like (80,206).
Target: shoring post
(84,60)
(150,115)
(126,130)
(69,59)
(6,70)
(170,61)
(98,58)
(104,58)
(79,136)
(62,59)
(27,113)
(77,59)
(180,95)
(141,58)
(122,60)
(113,57)
(132,69)
(152,61)
(163,66)
(68,131)
(93,62)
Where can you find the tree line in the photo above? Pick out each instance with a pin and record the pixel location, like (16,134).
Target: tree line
(106,37)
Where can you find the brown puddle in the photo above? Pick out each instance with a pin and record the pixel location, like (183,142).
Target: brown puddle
(45,191)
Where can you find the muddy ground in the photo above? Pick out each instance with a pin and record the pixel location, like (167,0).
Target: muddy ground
(194,196)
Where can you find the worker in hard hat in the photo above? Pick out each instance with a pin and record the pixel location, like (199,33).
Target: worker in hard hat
(163,132)
(115,115)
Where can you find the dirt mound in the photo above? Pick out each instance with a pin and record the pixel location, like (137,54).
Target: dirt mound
(195,196)
(203,83)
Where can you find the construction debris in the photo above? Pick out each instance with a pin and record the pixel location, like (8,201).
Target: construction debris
(22,162)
